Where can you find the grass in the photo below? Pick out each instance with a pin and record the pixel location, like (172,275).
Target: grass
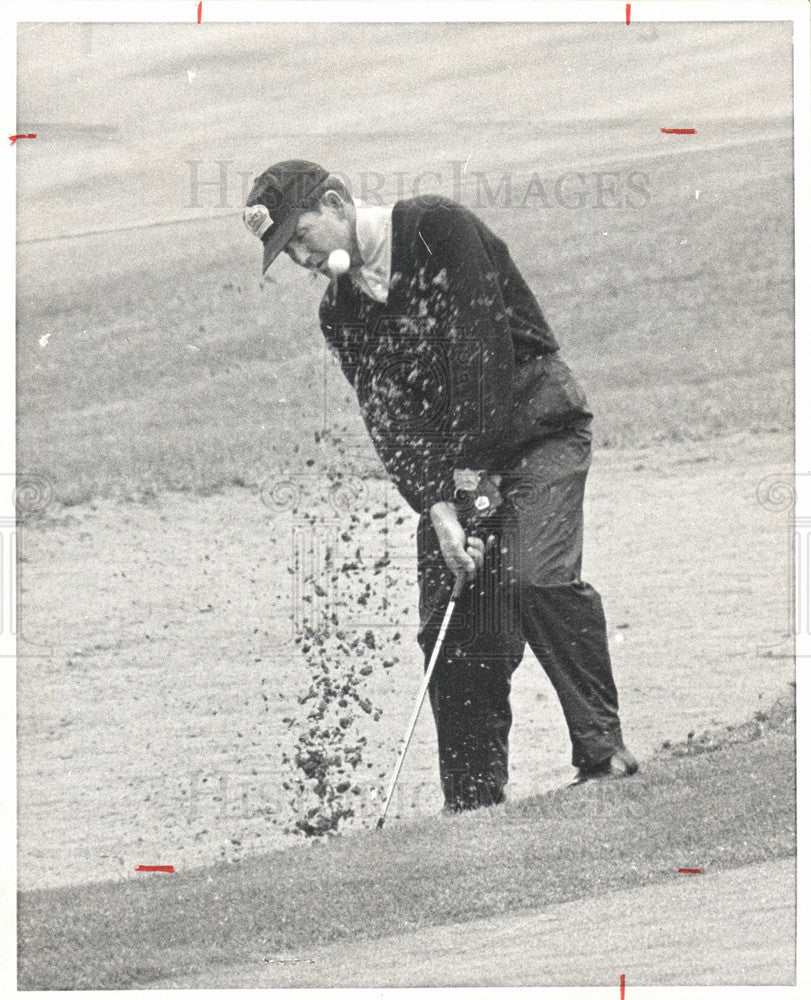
(168,368)
(202,391)
(717,810)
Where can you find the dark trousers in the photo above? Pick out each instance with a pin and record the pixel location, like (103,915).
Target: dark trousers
(529,591)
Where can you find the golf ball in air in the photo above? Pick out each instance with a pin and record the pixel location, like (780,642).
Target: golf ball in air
(338,262)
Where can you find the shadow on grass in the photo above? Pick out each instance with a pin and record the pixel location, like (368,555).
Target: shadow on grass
(701,810)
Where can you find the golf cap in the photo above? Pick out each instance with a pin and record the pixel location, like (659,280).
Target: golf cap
(274,204)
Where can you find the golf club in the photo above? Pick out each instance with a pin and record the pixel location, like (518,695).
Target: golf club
(457,590)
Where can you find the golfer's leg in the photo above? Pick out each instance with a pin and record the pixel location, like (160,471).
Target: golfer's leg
(470,690)
(561,616)
(565,627)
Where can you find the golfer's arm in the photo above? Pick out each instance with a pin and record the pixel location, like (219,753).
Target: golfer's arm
(483,413)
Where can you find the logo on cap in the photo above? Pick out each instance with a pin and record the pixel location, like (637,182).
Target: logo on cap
(257,219)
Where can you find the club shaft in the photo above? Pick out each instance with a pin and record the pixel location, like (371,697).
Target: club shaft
(457,590)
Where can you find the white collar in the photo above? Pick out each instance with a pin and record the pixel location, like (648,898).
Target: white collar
(374,242)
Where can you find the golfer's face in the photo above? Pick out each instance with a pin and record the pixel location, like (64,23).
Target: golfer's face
(317,235)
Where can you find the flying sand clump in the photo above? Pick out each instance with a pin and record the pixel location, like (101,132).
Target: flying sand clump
(328,770)
(329,748)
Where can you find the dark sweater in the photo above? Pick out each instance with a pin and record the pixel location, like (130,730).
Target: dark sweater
(444,370)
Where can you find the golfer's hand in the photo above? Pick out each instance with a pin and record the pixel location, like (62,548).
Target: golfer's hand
(463,555)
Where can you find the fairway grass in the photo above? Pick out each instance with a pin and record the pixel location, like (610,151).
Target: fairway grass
(718,805)
(189,376)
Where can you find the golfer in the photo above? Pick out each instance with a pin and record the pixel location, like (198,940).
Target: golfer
(485,433)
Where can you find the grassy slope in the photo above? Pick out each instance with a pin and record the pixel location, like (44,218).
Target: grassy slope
(198,384)
(721,803)
(168,367)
